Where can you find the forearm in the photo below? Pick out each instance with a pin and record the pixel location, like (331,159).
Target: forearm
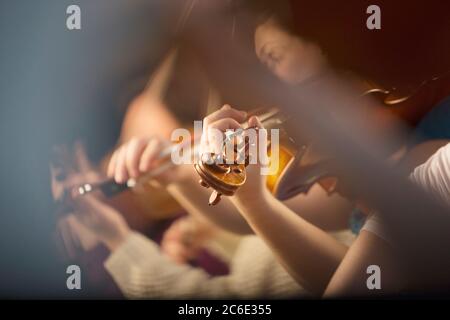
(328,212)
(194,198)
(350,278)
(309,254)
(142,272)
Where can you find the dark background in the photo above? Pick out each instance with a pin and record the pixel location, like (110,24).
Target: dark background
(57,85)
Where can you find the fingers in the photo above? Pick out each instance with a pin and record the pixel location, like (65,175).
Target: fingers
(149,155)
(133,155)
(90,204)
(215,133)
(216,123)
(134,158)
(254,122)
(117,167)
(120,172)
(225,112)
(93,213)
(112,164)
(224,124)
(61,158)
(66,238)
(124,162)
(176,251)
(81,159)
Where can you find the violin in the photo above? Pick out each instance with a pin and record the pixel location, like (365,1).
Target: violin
(225,177)
(410,107)
(109,188)
(294,176)
(413,103)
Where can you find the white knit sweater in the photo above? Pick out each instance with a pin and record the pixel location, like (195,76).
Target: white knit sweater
(142,272)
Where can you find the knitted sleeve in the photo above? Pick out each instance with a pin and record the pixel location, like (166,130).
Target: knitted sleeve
(142,272)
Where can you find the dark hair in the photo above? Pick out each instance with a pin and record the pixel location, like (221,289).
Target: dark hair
(262,10)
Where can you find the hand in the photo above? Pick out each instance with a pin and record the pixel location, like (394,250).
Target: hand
(104,221)
(70,167)
(222,120)
(184,239)
(139,156)
(90,221)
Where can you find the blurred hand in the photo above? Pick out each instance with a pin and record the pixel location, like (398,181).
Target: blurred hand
(101,219)
(138,157)
(91,220)
(184,239)
(69,168)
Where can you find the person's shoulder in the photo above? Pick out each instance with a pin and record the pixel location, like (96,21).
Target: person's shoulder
(439,159)
(434,174)
(445,150)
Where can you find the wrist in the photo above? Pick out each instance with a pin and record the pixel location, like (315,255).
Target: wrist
(114,241)
(185,175)
(251,201)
